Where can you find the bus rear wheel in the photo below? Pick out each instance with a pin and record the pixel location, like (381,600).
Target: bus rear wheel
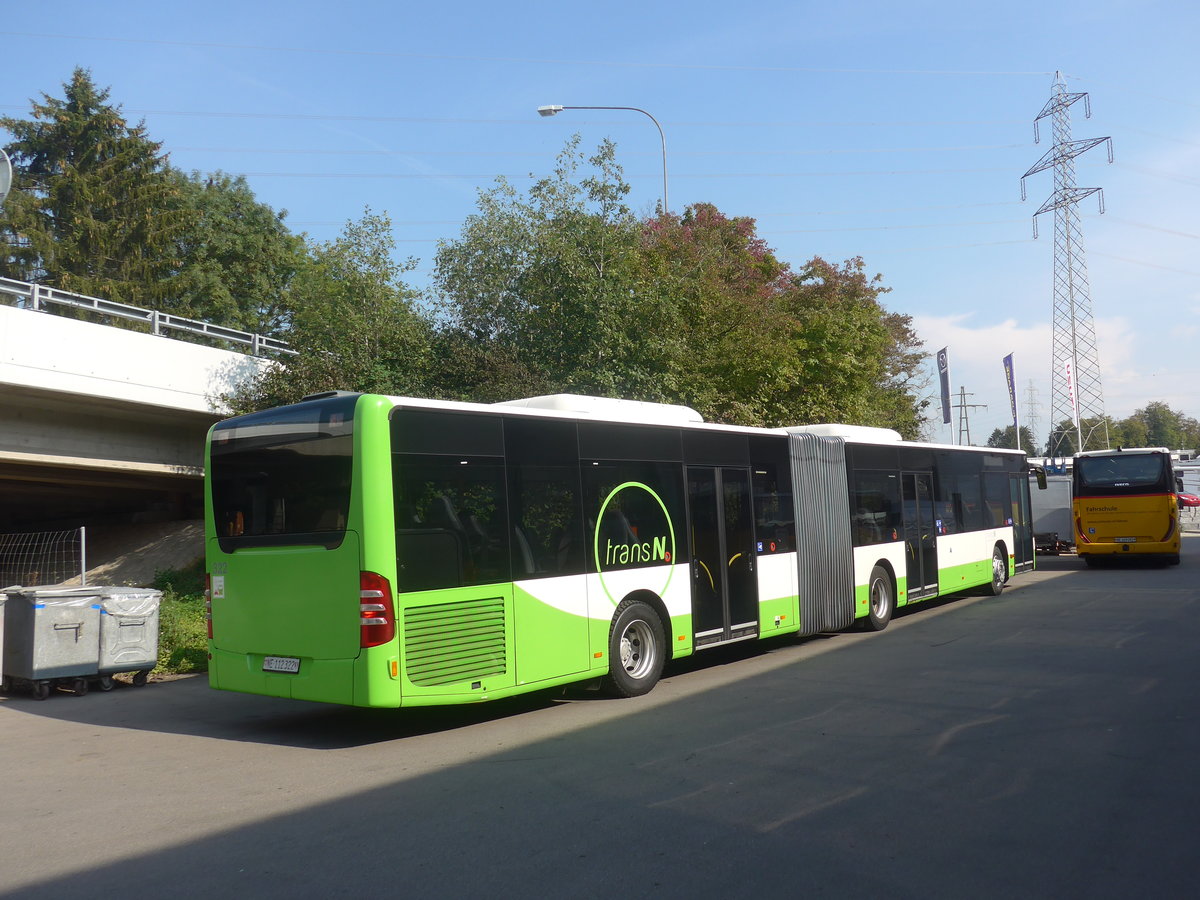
(636,650)
(881,598)
(999,572)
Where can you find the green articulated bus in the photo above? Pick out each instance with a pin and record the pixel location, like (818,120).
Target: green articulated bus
(391,551)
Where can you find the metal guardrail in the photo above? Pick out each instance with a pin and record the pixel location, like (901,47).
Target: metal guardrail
(39,296)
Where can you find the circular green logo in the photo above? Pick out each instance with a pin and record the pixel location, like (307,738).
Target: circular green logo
(657,549)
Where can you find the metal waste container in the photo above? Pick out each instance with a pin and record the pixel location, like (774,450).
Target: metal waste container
(128,632)
(51,633)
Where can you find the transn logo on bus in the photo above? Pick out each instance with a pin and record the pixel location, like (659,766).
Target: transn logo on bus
(617,544)
(647,552)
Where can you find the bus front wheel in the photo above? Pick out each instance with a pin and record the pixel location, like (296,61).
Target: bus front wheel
(881,598)
(636,650)
(999,572)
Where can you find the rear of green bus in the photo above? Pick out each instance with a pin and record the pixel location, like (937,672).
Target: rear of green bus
(300,561)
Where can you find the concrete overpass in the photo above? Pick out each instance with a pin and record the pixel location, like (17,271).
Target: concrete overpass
(100,424)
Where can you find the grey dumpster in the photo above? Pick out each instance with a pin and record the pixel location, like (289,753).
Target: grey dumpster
(128,632)
(51,633)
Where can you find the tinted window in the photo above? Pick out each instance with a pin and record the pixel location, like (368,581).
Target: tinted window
(451,521)
(543,492)
(716,448)
(874,507)
(605,440)
(959,501)
(1122,473)
(996,502)
(634,530)
(437,431)
(775,520)
(283,476)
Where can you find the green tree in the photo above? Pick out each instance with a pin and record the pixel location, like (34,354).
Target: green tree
(1158,425)
(853,361)
(93,209)
(752,342)
(237,258)
(714,286)
(354,322)
(1006,438)
(538,294)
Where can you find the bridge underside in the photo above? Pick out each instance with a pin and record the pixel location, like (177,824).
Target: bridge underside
(68,460)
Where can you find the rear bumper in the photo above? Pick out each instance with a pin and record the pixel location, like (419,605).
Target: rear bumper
(322,680)
(1144,550)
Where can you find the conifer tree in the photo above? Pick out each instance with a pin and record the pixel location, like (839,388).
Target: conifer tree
(92,209)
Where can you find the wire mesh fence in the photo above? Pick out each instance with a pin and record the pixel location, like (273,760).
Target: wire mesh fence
(43,557)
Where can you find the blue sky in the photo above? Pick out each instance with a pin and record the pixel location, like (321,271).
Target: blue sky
(895,132)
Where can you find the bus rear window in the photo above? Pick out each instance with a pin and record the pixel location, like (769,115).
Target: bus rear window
(282,476)
(1133,473)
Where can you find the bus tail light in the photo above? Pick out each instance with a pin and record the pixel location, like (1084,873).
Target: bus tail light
(1083,538)
(208,603)
(377,614)
(1170,529)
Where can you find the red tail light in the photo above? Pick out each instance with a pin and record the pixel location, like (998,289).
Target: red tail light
(1170,529)
(1083,538)
(377,614)
(208,603)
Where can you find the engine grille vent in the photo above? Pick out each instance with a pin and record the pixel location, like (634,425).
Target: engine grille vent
(453,642)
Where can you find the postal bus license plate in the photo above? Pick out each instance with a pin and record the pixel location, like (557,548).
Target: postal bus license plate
(1126,540)
(288,664)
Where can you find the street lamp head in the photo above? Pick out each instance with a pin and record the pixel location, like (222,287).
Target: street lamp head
(549,110)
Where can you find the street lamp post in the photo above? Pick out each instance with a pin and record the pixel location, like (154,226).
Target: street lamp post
(555,110)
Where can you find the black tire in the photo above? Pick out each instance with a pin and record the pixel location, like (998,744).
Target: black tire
(140,678)
(1092,562)
(1173,559)
(105,682)
(995,587)
(79,687)
(41,690)
(881,600)
(637,649)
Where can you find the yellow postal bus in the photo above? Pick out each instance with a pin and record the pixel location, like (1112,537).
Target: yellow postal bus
(1125,505)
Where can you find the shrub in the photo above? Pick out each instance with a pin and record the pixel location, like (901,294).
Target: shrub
(182,629)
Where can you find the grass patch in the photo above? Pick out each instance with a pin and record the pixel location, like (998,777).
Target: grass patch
(182,628)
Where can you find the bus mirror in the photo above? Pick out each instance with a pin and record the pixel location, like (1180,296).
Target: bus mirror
(1040,473)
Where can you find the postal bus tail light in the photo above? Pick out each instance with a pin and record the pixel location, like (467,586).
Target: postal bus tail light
(208,603)
(1170,529)
(1083,538)
(377,614)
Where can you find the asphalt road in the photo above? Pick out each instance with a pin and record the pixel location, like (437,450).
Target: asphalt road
(1039,744)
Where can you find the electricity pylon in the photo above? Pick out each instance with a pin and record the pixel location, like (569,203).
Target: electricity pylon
(1076,392)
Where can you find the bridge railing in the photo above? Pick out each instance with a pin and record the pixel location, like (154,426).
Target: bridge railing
(39,297)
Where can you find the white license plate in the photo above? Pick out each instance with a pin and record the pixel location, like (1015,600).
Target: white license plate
(1132,540)
(289,664)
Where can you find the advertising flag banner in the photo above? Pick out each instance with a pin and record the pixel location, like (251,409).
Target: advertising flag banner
(1012,387)
(1070,372)
(943,363)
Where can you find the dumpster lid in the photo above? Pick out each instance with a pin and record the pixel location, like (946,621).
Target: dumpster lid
(55,596)
(129,601)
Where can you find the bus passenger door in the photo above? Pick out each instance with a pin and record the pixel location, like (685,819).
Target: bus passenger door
(724,588)
(1022,524)
(920,534)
